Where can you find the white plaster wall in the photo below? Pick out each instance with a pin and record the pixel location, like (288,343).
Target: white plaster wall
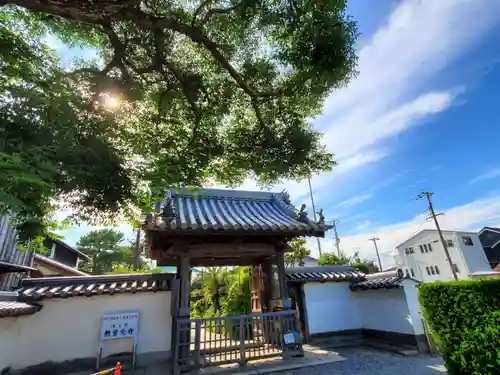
(411,296)
(384,310)
(68,329)
(474,256)
(331,307)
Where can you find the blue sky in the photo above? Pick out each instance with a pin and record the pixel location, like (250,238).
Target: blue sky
(422,114)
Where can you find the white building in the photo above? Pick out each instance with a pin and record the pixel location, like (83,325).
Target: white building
(423,257)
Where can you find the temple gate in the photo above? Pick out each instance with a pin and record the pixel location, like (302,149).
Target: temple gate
(211,227)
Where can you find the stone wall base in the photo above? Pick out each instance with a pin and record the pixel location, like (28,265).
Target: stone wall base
(395,338)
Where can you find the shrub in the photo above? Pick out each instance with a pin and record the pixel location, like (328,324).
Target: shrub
(480,353)
(464,321)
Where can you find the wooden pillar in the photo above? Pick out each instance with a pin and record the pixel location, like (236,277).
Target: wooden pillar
(280,260)
(184,273)
(267,281)
(256,289)
(182,323)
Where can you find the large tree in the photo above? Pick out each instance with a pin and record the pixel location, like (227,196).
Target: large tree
(105,249)
(179,92)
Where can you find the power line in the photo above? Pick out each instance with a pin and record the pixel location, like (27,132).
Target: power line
(427,195)
(375,239)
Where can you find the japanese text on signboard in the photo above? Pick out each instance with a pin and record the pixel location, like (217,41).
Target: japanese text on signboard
(119,325)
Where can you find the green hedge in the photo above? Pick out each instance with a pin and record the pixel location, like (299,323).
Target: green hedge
(464,320)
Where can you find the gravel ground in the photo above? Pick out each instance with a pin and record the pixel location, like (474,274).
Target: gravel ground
(372,362)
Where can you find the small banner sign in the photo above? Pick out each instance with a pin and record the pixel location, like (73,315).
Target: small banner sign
(119,325)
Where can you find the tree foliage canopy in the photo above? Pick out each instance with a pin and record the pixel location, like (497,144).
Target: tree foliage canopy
(298,253)
(331,259)
(205,89)
(108,253)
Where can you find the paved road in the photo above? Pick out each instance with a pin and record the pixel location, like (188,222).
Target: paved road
(371,362)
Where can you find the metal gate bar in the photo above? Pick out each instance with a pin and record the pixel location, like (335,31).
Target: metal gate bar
(234,339)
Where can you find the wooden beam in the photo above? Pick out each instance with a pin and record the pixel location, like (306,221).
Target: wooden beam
(232,248)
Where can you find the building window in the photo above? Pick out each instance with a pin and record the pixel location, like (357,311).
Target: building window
(428,270)
(432,270)
(455,267)
(430,247)
(409,250)
(412,272)
(449,243)
(467,241)
(421,249)
(437,269)
(425,248)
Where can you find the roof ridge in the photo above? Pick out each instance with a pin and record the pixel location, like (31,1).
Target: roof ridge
(92,279)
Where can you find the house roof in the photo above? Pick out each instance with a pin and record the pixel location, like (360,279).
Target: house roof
(491,229)
(86,286)
(381,280)
(323,274)
(232,210)
(15,308)
(11,267)
(70,248)
(70,271)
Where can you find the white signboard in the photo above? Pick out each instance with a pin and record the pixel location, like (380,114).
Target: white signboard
(119,325)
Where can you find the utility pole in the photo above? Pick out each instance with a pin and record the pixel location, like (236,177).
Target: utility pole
(427,195)
(137,249)
(375,239)
(337,239)
(314,211)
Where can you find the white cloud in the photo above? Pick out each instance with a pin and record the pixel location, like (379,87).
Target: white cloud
(360,130)
(486,176)
(355,200)
(471,216)
(419,40)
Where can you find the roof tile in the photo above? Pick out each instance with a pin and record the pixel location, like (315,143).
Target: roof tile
(232,210)
(14,308)
(64,287)
(323,274)
(381,280)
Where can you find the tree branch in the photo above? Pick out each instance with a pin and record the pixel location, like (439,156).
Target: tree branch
(104,12)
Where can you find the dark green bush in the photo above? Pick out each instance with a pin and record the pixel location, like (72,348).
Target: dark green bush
(464,320)
(480,353)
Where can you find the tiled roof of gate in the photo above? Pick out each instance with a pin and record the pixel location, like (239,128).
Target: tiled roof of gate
(381,280)
(87,286)
(14,308)
(323,274)
(232,210)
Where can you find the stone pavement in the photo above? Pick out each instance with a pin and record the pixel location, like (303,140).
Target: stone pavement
(313,356)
